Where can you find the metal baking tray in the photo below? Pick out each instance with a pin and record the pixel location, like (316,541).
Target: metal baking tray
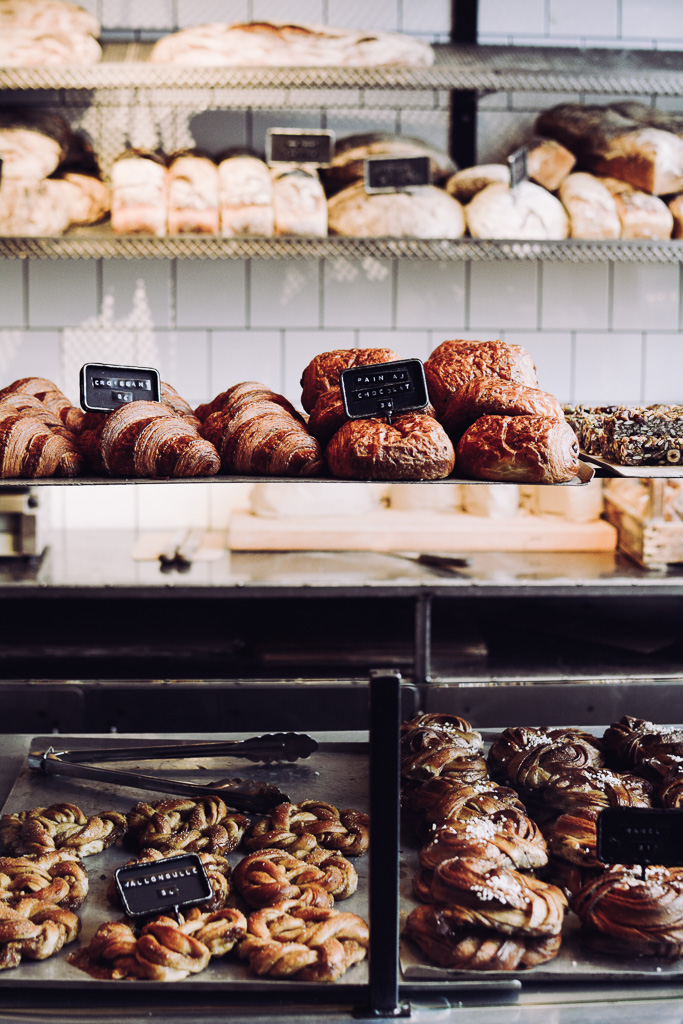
(574,963)
(336,773)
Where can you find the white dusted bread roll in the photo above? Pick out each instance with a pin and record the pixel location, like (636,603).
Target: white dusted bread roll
(192,195)
(527,212)
(246,197)
(88,198)
(591,207)
(465,184)
(423,212)
(33,208)
(299,201)
(642,215)
(139,184)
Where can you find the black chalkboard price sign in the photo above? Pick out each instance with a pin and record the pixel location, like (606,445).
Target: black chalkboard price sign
(640,835)
(155,887)
(105,387)
(395,173)
(384,389)
(300,146)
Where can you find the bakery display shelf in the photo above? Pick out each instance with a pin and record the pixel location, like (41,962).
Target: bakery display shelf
(337,773)
(574,964)
(672,471)
(102,243)
(459,67)
(98,564)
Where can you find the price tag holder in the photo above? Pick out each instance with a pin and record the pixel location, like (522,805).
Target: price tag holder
(105,387)
(157,886)
(518,162)
(384,389)
(395,173)
(640,835)
(300,146)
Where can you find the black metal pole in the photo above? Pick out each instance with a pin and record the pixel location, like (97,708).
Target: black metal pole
(422,652)
(463,105)
(385,715)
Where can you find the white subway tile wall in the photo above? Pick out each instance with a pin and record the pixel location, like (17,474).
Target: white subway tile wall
(598,333)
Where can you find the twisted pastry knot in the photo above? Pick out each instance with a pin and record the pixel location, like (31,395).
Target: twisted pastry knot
(511,742)
(34,929)
(642,916)
(195,826)
(530,770)
(469,770)
(657,744)
(568,877)
(309,943)
(473,802)
(450,729)
(448,944)
(270,876)
(573,837)
(446,759)
(165,950)
(479,894)
(60,826)
(584,788)
(524,848)
(57,877)
(299,828)
(671,791)
(217,871)
(619,735)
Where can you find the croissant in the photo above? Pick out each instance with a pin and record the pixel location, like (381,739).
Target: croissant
(23,404)
(50,395)
(145,439)
(254,431)
(29,448)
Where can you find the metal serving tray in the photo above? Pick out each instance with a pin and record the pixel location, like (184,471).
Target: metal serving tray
(336,773)
(574,963)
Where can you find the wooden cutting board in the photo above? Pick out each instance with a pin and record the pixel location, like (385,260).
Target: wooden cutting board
(397,530)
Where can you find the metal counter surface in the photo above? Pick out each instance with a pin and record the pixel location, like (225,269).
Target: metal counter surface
(99,564)
(485,1003)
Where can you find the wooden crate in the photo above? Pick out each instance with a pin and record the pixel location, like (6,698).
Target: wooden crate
(647,537)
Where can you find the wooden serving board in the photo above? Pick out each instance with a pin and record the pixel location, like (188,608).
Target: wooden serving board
(398,530)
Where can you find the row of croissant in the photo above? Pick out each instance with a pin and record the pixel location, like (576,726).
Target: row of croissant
(488,420)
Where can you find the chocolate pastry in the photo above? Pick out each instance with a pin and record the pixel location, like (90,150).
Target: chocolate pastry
(454,363)
(531,770)
(324,370)
(414,446)
(491,396)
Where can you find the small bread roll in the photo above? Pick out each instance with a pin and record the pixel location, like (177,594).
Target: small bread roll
(521,449)
(642,215)
(464,185)
(591,207)
(298,201)
(527,212)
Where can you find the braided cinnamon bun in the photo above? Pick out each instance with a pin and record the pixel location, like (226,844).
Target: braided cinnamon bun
(530,770)
(456,729)
(619,734)
(573,837)
(445,801)
(579,788)
(469,770)
(480,838)
(511,742)
(670,793)
(479,894)
(634,915)
(448,944)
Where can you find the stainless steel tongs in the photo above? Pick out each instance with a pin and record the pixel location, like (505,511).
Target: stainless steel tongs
(240,794)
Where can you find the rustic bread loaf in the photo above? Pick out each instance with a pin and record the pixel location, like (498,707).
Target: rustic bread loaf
(527,212)
(423,212)
(591,207)
(465,184)
(549,163)
(641,215)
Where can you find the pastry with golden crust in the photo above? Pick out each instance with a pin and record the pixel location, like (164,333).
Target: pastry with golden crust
(530,770)
(35,929)
(577,788)
(519,449)
(449,944)
(56,877)
(271,875)
(301,827)
(60,826)
(573,837)
(634,914)
(308,943)
(324,370)
(414,446)
(183,824)
(492,396)
(456,362)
